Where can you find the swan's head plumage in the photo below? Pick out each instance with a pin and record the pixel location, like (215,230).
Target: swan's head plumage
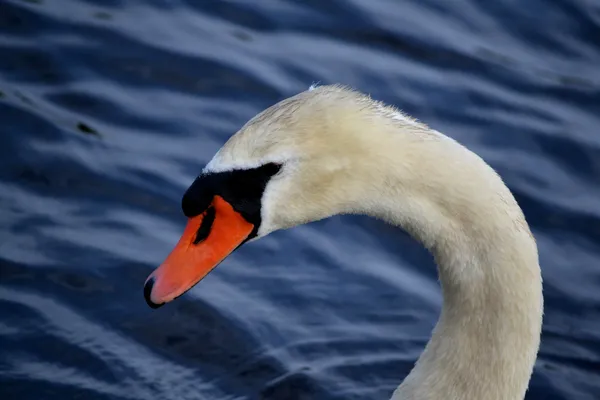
(322,139)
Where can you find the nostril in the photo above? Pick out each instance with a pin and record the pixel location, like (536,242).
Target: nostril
(148,292)
(205,225)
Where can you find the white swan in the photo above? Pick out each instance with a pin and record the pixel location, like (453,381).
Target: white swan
(331,151)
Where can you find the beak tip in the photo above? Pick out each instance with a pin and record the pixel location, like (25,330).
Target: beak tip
(148,294)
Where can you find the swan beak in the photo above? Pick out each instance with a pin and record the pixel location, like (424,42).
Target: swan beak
(207,239)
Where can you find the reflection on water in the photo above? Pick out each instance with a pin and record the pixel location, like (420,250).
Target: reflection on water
(110,109)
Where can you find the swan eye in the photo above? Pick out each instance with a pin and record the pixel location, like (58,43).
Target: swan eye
(207,222)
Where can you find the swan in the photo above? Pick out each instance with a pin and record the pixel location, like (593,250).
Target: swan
(333,150)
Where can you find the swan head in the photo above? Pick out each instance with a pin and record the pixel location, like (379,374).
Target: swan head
(298,161)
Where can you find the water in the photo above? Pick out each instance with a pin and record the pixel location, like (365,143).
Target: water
(110,108)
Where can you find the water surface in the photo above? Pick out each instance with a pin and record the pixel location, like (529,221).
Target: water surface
(109,109)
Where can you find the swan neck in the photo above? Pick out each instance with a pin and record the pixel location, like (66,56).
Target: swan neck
(485,342)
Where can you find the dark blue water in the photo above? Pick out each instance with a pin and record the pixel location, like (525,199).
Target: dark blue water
(109,109)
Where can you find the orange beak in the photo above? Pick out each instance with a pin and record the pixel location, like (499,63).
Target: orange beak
(207,239)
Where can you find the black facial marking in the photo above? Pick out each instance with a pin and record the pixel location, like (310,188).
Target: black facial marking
(205,225)
(243,189)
